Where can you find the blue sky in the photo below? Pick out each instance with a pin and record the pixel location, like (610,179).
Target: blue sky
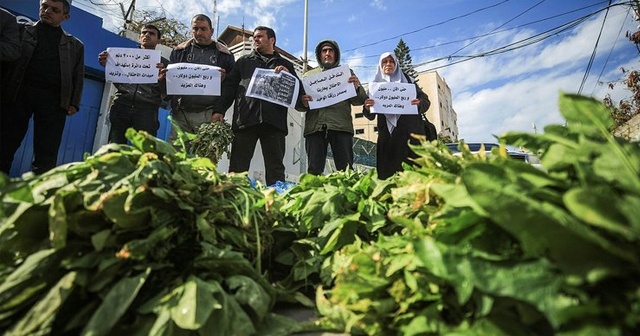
(492,94)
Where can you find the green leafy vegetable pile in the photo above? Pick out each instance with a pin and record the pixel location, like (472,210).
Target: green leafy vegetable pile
(145,240)
(212,140)
(135,240)
(511,249)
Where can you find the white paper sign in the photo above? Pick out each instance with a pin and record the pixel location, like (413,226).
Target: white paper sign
(132,65)
(329,87)
(279,88)
(193,79)
(393,98)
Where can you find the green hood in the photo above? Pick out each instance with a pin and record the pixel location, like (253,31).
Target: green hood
(335,47)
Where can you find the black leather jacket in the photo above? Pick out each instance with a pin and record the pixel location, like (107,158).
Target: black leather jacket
(71,52)
(144,96)
(250,111)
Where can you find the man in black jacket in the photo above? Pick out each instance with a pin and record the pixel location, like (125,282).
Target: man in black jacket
(46,82)
(9,37)
(136,105)
(256,119)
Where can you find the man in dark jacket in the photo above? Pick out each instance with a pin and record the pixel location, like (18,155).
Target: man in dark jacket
(190,111)
(9,37)
(46,82)
(256,119)
(136,105)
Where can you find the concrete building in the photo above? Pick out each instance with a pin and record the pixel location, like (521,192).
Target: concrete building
(441,112)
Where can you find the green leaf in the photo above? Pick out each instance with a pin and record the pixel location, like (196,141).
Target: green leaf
(39,319)
(585,115)
(250,294)
(600,207)
(29,279)
(543,229)
(429,253)
(115,304)
(196,303)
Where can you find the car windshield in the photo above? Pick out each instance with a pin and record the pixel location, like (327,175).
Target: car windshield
(473,147)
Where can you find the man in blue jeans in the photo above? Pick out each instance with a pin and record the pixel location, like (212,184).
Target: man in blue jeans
(136,105)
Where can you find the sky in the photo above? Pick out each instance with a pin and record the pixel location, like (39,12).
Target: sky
(505,61)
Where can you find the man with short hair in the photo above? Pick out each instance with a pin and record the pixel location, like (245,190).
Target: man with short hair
(136,105)
(256,119)
(44,82)
(331,125)
(190,111)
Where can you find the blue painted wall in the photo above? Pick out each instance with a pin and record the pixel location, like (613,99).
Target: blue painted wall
(80,129)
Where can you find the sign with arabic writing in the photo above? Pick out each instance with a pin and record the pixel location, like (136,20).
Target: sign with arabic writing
(393,98)
(132,65)
(193,79)
(329,87)
(279,88)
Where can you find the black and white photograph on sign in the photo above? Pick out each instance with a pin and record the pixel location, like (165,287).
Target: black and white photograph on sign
(278,88)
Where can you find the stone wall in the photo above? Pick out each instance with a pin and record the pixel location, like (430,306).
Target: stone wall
(630,130)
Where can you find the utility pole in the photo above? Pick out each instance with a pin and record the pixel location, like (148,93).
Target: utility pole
(128,15)
(305,62)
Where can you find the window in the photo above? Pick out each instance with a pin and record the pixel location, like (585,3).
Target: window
(360,131)
(375,129)
(359,115)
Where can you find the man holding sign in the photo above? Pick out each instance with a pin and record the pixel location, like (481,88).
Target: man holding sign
(332,124)
(135,105)
(399,115)
(190,111)
(258,113)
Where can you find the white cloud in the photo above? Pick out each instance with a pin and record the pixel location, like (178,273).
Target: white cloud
(509,92)
(378,4)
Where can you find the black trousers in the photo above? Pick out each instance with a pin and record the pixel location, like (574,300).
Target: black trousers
(141,119)
(341,146)
(48,124)
(272,141)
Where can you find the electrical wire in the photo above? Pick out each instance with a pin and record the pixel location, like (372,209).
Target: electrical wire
(500,26)
(427,27)
(595,48)
(490,33)
(610,52)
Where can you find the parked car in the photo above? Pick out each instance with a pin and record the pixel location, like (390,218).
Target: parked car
(513,152)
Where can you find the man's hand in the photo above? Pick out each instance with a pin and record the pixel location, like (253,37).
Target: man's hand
(305,100)
(162,72)
(72,111)
(223,72)
(102,58)
(217,117)
(355,81)
(281,68)
(368,103)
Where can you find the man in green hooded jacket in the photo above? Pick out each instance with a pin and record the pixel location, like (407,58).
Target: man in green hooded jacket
(331,125)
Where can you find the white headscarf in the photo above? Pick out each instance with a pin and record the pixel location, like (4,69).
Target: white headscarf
(397,76)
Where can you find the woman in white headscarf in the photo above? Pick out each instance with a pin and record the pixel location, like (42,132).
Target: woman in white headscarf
(394,130)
